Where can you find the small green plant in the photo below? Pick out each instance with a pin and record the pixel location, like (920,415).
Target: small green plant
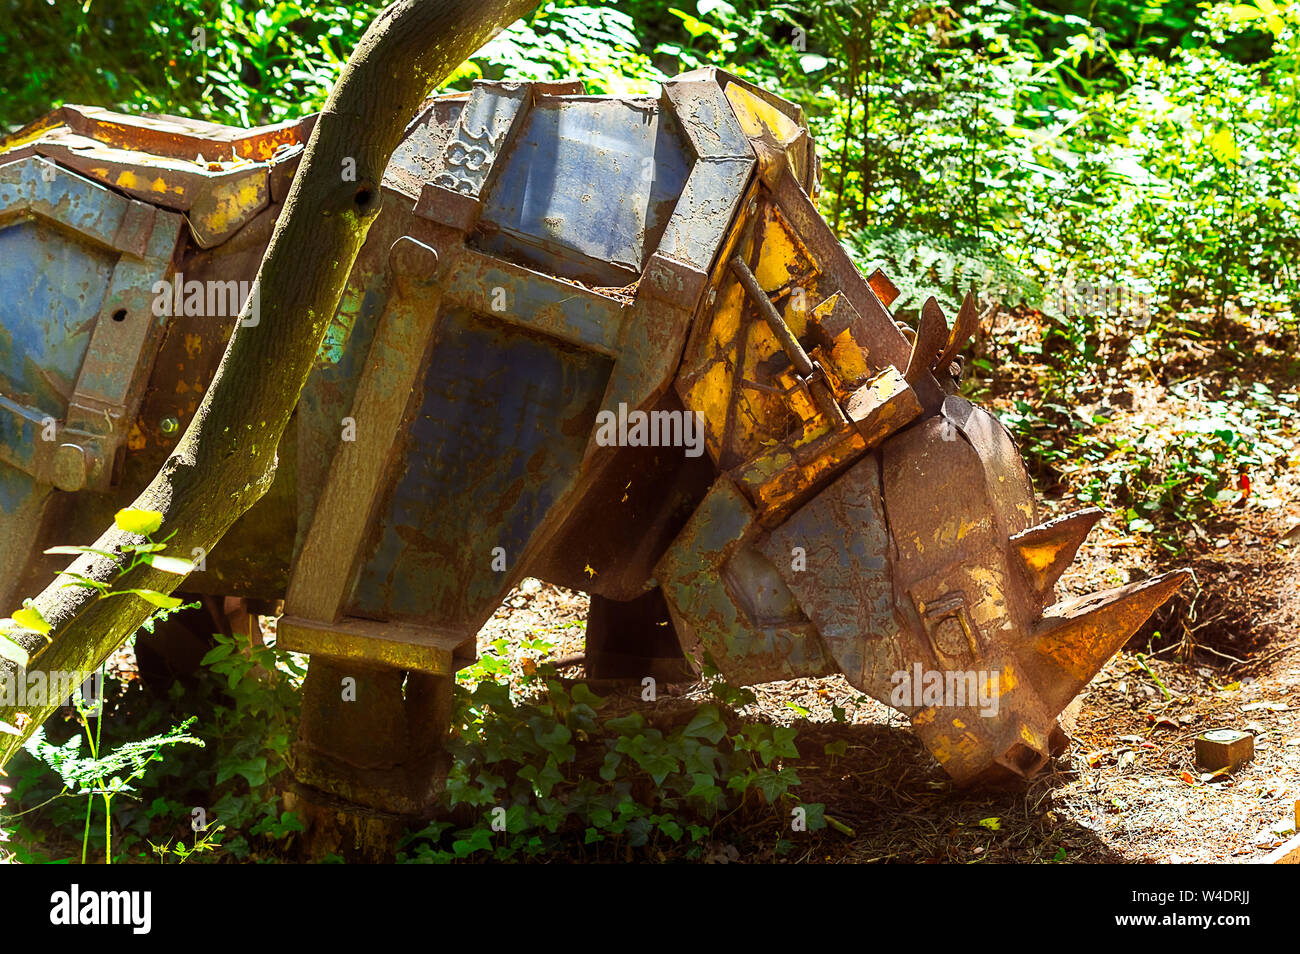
(204,843)
(104,774)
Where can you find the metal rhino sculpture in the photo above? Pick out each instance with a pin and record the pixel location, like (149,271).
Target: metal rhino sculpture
(566,299)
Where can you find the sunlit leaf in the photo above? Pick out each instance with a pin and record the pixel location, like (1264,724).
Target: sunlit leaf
(152,596)
(77,551)
(29,617)
(170,564)
(13,652)
(137,520)
(1224,145)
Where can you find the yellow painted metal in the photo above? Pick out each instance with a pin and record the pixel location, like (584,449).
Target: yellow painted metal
(219,193)
(772,131)
(761,422)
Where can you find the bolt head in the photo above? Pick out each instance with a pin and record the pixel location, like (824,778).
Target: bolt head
(169,425)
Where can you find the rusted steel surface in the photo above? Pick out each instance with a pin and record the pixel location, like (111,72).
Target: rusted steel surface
(605,341)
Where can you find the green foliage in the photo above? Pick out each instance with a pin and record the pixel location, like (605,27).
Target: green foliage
(107,774)
(112,771)
(245,714)
(945,266)
(596,44)
(545,769)
(1020,146)
(246,63)
(1164,479)
(149,553)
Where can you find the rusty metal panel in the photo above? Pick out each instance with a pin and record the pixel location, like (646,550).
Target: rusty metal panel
(586,188)
(707,120)
(834,555)
(80,336)
(180,137)
(540,302)
(709,201)
(417,159)
(486,123)
(218,197)
(728,601)
(495,443)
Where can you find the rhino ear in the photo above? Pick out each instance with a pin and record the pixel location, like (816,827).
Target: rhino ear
(1046,550)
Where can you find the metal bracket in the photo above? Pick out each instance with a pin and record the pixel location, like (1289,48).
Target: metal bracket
(948,624)
(80,452)
(492,115)
(811,375)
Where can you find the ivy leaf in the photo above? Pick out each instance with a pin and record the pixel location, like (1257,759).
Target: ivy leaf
(137,520)
(671,828)
(707,725)
(626,724)
(609,770)
(479,840)
(771,784)
(29,617)
(815,815)
(582,695)
(703,787)
(544,780)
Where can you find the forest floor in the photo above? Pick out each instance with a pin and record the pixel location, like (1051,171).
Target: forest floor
(1223,655)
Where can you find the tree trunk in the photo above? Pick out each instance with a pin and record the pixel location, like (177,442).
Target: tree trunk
(226,459)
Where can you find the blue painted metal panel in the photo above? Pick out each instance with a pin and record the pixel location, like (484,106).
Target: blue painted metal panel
(51,288)
(497,441)
(586,188)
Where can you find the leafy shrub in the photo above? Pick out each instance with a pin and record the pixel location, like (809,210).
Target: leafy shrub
(535,775)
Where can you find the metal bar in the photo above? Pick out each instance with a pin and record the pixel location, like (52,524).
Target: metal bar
(803,364)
